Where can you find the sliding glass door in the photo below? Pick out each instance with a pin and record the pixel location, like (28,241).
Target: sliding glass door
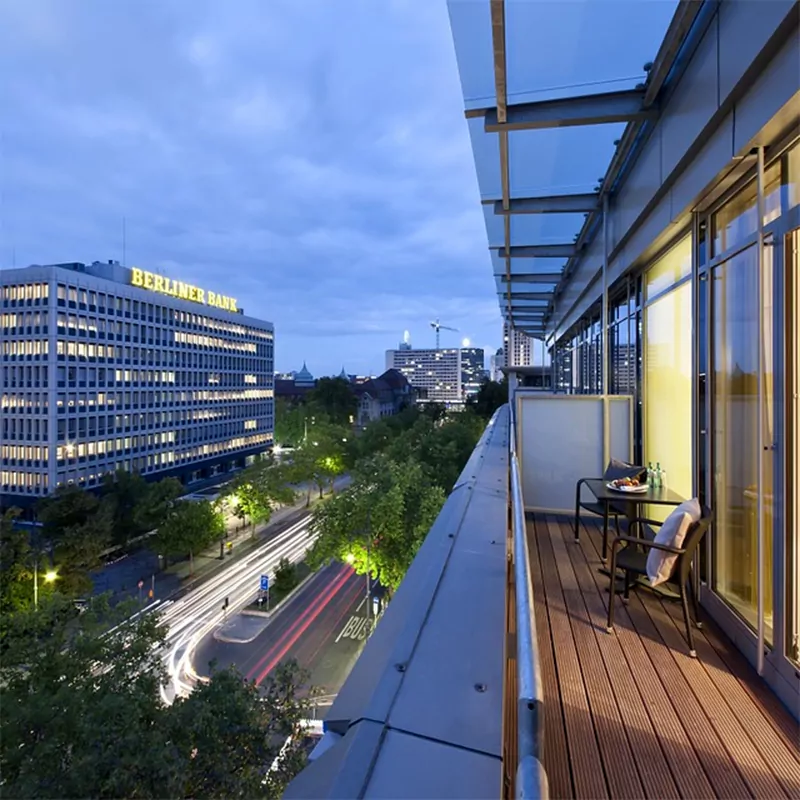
(740,336)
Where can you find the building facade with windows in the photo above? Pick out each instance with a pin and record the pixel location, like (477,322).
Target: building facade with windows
(674,280)
(106,368)
(448,376)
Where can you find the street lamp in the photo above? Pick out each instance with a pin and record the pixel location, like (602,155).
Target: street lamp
(49,577)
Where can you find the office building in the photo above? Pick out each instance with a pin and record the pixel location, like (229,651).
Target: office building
(448,376)
(472,371)
(517,347)
(107,368)
(496,362)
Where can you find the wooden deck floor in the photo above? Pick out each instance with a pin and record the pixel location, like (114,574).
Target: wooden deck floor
(630,714)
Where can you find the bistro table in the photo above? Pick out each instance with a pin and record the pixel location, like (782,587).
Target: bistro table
(629,503)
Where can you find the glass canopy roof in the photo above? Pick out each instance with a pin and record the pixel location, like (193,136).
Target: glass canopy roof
(551,157)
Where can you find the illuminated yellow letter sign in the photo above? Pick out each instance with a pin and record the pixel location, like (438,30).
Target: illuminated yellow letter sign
(183,291)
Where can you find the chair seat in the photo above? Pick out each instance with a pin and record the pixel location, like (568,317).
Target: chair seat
(598,508)
(633,559)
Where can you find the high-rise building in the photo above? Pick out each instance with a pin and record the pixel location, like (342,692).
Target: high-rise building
(517,348)
(107,368)
(448,376)
(472,371)
(496,363)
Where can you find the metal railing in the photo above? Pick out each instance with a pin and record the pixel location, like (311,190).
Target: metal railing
(530,778)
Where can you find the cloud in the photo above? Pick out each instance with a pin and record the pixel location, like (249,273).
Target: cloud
(310,158)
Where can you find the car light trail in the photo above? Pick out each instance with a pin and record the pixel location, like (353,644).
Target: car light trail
(194,616)
(315,608)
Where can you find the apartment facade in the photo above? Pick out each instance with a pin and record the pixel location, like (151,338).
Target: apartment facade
(674,280)
(447,376)
(106,368)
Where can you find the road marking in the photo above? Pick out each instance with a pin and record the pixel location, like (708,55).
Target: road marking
(355,628)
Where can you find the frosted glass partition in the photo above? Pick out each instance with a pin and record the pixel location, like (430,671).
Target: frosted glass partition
(560,440)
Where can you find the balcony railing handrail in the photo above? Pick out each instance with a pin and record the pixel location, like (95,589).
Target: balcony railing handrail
(530,778)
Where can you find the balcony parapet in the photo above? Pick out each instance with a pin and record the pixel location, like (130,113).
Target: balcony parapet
(421,714)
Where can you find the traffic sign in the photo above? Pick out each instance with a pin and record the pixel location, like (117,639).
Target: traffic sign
(265,583)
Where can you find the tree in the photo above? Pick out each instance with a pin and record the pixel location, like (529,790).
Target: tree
(125,492)
(66,507)
(82,716)
(334,399)
(16,588)
(285,576)
(156,503)
(260,488)
(78,549)
(389,506)
(290,422)
(489,397)
(322,458)
(190,525)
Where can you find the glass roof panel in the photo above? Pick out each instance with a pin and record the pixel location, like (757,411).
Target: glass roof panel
(486,150)
(559,48)
(554,49)
(471,24)
(560,160)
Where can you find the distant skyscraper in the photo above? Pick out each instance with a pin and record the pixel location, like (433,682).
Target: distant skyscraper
(496,363)
(517,347)
(445,376)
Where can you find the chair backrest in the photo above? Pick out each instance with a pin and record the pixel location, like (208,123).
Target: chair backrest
(683,564)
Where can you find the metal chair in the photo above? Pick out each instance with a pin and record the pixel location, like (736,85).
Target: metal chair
(614,510)
(633,560)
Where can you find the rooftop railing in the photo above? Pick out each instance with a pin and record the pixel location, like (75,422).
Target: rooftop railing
(443,702)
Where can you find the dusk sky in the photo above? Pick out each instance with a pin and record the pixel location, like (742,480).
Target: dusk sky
(309,157)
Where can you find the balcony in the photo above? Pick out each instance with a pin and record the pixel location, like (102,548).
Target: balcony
(491,674)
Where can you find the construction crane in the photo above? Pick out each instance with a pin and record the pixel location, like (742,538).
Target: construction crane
(437,326)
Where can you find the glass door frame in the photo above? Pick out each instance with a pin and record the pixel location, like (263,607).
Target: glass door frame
(779,671)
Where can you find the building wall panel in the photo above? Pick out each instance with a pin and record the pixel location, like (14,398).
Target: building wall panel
(692,106)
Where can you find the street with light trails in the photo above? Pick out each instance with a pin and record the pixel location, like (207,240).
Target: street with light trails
(201,610)
(323,627)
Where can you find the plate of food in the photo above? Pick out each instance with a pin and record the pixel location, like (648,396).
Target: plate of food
(629,485)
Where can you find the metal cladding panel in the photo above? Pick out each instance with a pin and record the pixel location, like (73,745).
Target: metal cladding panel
(458,661)
(710,160)
(776,86)
(694,103)
(416,769)
(444,626)
(744,28)
(637,192)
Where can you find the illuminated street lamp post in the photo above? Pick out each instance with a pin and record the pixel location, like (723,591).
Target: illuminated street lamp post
(49,577)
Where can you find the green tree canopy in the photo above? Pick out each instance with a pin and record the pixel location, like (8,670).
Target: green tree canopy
(82,716)
(189,526)
(489,398)
(390,505)
(333,399)
(16,587)
(260,488)
(290,422)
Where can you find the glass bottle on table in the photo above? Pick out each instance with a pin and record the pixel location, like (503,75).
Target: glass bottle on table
(650,474)
(657,476)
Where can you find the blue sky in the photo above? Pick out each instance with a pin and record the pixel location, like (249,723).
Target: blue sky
(309,157)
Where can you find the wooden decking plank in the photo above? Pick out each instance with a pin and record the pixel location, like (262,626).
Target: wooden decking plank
(585,761)
(720,768)
(686,767)
(648,749)
(555,757)
(621,773)
(781,758)
(744,753)
(732,660)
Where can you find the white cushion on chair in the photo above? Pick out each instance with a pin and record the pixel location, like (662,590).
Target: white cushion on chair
(692,508)
(672,534)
